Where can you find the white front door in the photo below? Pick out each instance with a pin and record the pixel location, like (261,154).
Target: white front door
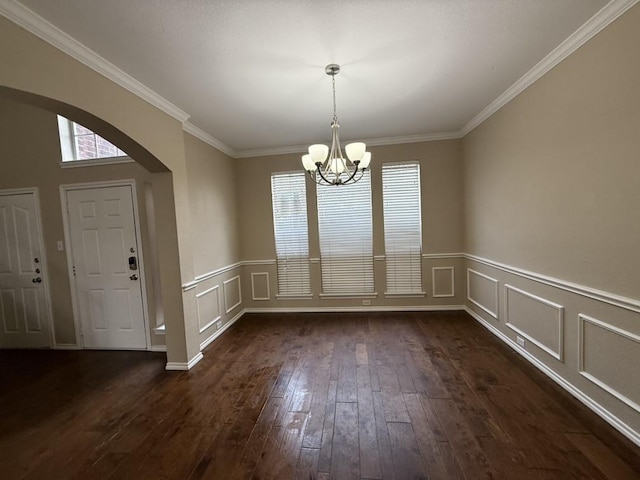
(105,259)
(24,316)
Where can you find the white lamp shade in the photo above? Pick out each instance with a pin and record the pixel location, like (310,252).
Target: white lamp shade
(366,160)
(307,163)
(355,151)
(336,166)
(318,152)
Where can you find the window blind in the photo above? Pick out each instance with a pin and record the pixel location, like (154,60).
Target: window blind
(346,237)
(289,199)
(402,227)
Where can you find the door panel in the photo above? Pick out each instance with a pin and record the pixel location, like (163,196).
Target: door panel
(103,237)
(24,317)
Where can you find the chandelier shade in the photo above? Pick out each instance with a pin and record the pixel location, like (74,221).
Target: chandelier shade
(327,165)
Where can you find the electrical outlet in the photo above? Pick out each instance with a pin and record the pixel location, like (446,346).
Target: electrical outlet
(366,302)
(520,341)
(218,324)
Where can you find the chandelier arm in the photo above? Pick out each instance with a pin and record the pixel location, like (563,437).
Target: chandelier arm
(355,170)
(323,177)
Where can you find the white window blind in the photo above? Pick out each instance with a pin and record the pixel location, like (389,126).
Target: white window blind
(346,237)
(289,201)
(402,227)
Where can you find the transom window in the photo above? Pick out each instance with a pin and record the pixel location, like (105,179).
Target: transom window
(79,143)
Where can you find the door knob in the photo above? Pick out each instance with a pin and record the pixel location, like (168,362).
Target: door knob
(133,277)
(36,280)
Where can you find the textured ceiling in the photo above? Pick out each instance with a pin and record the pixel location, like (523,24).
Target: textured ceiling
(251,73)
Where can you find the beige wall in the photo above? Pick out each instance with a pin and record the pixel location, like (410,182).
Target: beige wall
(441,181)
(57,82)
(551,180)
(551,186)
(30,157)
(212,201)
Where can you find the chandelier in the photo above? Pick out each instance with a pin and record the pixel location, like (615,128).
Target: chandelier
(327,166)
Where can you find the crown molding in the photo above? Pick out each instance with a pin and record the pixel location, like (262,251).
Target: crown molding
(372,142)
(208,139)
(592,27)
(35,24)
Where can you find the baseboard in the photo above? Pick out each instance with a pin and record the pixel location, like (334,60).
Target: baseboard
(605,414)
(66,346)
(373,308)
(219,332)
(184,365)
(158,348)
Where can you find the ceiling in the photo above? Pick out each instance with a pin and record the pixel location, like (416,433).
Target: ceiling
(250,73)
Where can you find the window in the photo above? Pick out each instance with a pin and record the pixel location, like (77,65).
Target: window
(80,143)
(346,238)
(289,199)
(402,227)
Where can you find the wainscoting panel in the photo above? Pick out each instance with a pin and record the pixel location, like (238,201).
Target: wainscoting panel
(443,281)
(208,304)
(610,358)
(260,286)
(482,291)
(538,320)
(232,293)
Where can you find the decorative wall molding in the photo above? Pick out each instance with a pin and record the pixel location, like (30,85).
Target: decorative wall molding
(433,282)
(595,294)
(217,317)
(41,28)
(253,287)
(184,365)
(594,25)
(609,417)
(476,302)
(557,354)
(374,142)
(581,357)
(379,258)
(226,301)
(270,261)
(221,330)
(442,255)
(200,134)
(206,276)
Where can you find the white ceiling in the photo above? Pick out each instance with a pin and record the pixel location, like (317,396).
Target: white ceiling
(250,73)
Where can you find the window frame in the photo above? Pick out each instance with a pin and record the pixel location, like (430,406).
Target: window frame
(394,292)
(68,148)
(291,295)
(368,279)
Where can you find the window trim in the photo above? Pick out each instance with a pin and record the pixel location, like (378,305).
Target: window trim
(404,293)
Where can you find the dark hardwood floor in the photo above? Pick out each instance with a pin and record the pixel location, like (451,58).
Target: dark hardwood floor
(307,396)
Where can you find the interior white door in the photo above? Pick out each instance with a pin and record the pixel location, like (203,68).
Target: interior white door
(23,308)
(105,260)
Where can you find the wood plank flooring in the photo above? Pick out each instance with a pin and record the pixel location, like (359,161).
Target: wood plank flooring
(305,396)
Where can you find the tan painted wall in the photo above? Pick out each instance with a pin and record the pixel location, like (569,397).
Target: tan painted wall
(551,186)
(551,180)
(212,200)
(30,157)
(157,140)
(441,179)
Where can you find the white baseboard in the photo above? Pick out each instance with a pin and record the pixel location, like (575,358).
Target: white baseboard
(184,365)
(217,333)
(66,346)
(372,308)
(158,348)
(609,417)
